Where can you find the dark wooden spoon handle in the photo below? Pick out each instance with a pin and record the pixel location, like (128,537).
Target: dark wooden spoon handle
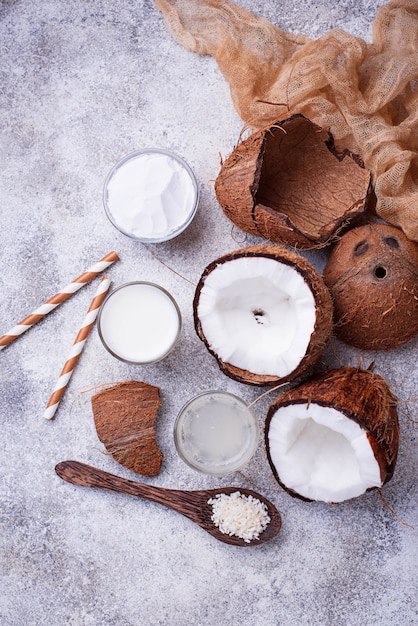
(88,476)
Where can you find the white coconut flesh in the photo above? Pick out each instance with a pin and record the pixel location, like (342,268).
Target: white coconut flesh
(257,314)
(321,454)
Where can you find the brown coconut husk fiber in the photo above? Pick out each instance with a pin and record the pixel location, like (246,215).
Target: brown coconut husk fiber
(366,95)
(125,417)
(360,395)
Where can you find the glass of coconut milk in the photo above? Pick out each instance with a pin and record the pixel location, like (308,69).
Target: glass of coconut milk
(151,195)
(139,322)
(216,433)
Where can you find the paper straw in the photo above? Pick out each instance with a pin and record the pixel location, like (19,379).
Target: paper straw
(59,297)
(77,349)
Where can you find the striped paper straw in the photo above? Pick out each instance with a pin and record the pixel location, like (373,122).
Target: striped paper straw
(77,349)
(59,297)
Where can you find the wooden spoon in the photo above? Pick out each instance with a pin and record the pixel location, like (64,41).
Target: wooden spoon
(191,504)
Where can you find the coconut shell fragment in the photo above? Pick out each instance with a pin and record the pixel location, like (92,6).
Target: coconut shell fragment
(289,184)
(344,423)
(264,313)
(372,273)
(125,416)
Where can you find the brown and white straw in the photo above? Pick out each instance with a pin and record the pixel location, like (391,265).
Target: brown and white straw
(77,348)
(57,299)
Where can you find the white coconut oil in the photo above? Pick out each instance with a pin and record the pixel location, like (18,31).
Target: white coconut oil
(139,322)
(151,195)
(216,433)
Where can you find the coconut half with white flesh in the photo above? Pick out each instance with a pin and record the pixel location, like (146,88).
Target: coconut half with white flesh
(264,312)
(333,437)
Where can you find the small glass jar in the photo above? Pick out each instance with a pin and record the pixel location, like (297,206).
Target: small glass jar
(139,322)
(216,433)
(151,195)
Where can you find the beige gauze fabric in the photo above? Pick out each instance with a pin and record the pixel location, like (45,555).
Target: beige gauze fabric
(366,95)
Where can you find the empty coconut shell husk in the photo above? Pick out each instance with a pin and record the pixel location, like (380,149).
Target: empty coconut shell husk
(289,184)
(334,436)
(125,417)
(264,313)
(372,273)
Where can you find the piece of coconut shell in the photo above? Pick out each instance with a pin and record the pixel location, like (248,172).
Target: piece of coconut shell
(372,273)
(125,417)
(289,184)
(323,323)
(360,395)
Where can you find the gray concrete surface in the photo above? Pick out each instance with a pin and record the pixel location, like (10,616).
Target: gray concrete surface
(82,84)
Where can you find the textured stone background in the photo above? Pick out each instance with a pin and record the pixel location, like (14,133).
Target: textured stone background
(82,83)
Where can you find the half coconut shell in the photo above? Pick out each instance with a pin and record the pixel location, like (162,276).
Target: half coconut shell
(264,313)
(289,184)
(372,273)
(333,437)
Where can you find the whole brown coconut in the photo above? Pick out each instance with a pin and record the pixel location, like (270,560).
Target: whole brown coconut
(333,437)
(264,313)
(372,273)
(289,184)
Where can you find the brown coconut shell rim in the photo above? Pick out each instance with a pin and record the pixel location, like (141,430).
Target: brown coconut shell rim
(380,446)
(323,323)
(292,234)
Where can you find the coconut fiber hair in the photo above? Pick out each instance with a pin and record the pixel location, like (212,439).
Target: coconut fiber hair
(366,95)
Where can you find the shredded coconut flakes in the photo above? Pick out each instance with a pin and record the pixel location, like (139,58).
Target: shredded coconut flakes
(236,514)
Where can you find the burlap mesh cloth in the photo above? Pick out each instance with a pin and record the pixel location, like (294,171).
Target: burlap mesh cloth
(366,95)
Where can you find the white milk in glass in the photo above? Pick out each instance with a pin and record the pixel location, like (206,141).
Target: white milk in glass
(139,322)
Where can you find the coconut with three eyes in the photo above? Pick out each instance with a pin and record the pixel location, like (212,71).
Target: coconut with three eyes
(372,274)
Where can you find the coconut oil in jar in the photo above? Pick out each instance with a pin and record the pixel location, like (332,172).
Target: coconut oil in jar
(216,433)
(151,195)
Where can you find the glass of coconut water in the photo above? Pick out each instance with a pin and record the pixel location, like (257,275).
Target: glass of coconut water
(216,433)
